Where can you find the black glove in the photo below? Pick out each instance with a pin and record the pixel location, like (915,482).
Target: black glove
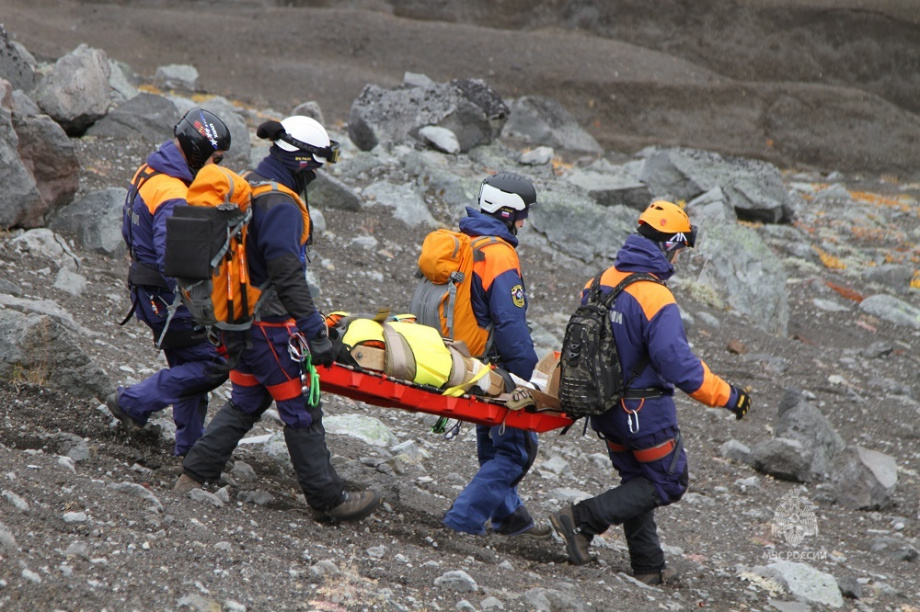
(739,402)
(321,350)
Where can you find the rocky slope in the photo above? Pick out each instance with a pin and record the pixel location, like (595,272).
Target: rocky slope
(88,520)
(766,79)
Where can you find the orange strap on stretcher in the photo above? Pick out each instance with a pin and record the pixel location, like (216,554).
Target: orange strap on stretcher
(646,455)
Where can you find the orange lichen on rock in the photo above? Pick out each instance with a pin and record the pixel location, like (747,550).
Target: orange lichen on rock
(829,261)
(850,294)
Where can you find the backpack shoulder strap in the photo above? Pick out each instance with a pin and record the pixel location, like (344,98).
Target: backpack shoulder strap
(635,277)
(479,243)
(262,187)
(645,358)
(594,292)
(129,217)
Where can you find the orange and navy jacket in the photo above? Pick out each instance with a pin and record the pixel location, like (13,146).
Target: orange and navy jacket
(646,322)
(277,251)
(498,296)
(144,229)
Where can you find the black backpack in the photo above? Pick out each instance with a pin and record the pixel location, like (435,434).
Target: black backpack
(591,380)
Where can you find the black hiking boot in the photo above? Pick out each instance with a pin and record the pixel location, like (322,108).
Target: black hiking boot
(576,543)
(355,505)
(185,484)
(536,531)
(666,576)
(539,531)
(111,402)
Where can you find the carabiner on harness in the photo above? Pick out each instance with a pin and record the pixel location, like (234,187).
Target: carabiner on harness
(440,427)
(632,414)
(299,351)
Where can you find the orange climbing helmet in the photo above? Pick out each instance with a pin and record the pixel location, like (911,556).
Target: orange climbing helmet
(665,221)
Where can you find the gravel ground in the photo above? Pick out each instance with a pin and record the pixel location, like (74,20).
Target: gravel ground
(102,529)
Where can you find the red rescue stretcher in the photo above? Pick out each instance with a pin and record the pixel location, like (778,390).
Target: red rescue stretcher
(379,389)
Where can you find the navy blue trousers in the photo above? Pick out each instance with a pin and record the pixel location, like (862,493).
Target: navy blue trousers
(193,371)
(504,459)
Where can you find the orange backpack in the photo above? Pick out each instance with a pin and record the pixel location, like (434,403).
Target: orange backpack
(442,296)
(206,250)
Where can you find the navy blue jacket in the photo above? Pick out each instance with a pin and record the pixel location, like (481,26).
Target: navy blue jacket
(498,296)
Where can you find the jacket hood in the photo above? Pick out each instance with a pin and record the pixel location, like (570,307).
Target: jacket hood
(639,254)
(479,224)
(168,159)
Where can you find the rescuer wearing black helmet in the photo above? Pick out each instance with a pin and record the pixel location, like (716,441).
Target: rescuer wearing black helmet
(200,134)
(507,197)
(499,303)
(159,185)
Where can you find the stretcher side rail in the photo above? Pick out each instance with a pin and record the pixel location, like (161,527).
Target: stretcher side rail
(378,389)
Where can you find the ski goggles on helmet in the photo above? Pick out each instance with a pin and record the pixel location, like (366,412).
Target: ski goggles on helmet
(682,239)
(330,153)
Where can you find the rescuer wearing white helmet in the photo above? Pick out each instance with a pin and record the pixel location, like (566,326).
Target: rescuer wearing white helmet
(276,249)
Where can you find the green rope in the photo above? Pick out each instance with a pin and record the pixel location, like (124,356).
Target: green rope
(440,426)
(313,393)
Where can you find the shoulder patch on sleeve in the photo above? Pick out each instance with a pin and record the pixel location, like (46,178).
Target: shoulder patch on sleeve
(517,295)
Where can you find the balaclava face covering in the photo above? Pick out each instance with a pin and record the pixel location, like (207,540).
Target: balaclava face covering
(300,164)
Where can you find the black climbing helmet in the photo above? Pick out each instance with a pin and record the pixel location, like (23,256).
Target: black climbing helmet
(200,134)
(507,197)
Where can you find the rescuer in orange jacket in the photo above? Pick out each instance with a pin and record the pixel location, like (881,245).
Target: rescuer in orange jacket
(642,436)
(195,367)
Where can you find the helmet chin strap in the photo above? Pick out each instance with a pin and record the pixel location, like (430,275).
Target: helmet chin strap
(302,179)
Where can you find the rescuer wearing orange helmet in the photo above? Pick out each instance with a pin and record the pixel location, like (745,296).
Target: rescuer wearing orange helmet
(641,433)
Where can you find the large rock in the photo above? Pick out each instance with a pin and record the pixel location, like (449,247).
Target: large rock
(48,153)
(543,121)
(445,180)
(20,195)
(754,188)
(177,76)
(467,107)
(892,309)
(328,193)
(797,419)
(367,429)
(736,263)
(146,117)
(408,206)
(95,221)
(865,479)
(577,226)
(36,349)
(611,185)
(803,582)
(76,91)
(44,244)
(782,458)
(13,66)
